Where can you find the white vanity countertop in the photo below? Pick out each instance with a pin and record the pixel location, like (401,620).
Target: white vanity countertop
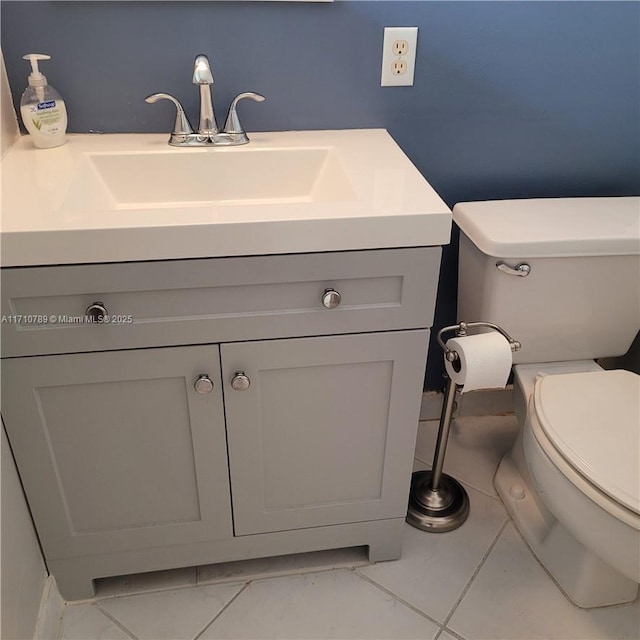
(59,206)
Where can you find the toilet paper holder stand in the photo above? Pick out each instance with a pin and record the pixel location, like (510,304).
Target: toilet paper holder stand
(461,330)
(438,502)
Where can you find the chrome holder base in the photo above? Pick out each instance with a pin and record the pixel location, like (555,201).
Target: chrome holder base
(436,510)
(220,139)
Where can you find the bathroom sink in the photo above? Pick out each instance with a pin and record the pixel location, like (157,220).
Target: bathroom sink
(129,197)
(172,178)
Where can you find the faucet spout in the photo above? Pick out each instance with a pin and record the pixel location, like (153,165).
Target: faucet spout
(202,70)
(203,77)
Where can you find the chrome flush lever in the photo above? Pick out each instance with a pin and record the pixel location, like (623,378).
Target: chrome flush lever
(522,269)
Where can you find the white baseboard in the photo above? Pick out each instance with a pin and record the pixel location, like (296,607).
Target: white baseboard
(487,402)
(50,614)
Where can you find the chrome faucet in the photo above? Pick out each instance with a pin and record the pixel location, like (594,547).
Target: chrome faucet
(208,132)
(203,77)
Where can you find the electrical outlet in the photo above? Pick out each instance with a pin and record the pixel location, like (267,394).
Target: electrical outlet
(398,67)
(398,56)
(400,47)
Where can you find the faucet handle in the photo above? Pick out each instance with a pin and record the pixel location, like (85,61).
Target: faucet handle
(181,127)
(232,124)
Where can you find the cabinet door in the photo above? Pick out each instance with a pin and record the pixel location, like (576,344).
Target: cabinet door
(117,451)
(325,432)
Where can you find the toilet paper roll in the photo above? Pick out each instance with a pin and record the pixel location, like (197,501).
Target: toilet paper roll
(484,361)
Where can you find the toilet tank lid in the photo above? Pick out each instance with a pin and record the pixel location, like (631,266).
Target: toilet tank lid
(552,227)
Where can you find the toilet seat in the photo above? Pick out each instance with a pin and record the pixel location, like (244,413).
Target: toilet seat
(592,420)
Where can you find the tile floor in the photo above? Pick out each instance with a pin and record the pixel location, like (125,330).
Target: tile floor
(479,582)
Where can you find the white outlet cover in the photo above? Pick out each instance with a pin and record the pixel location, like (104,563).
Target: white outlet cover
(391,34)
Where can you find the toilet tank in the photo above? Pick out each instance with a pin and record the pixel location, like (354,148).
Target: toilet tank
(581,298)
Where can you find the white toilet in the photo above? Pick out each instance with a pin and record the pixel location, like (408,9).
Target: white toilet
(562,276)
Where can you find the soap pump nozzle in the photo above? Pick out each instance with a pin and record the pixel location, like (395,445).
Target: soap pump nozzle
(36,78)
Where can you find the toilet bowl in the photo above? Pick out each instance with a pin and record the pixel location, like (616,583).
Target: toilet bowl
(560,275)
(589,475)
(573,490)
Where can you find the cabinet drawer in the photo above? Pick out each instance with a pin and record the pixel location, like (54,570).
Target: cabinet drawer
(216,300)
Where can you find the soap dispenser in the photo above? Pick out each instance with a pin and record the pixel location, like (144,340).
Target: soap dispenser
(42,108)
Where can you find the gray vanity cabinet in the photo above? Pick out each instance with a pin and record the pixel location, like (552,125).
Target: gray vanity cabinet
(117,451)
(245,407)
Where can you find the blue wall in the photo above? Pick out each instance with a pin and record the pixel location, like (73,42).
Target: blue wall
(511,99)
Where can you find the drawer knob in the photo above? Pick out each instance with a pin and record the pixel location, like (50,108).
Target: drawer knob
(203,384)
(240,382)
(331,298)
(96,312)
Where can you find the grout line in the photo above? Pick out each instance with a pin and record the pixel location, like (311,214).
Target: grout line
(477,571)
(150,588)
(429,464)
(466,483)
(493,496)
(116,622)
(224,608)
(304,572)
(138,592)
(453,634)
(286,573)
(397,598)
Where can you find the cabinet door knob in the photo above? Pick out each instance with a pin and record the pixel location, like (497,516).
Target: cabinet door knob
(203,384)
(96,311)
(331,298)
(240,382)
